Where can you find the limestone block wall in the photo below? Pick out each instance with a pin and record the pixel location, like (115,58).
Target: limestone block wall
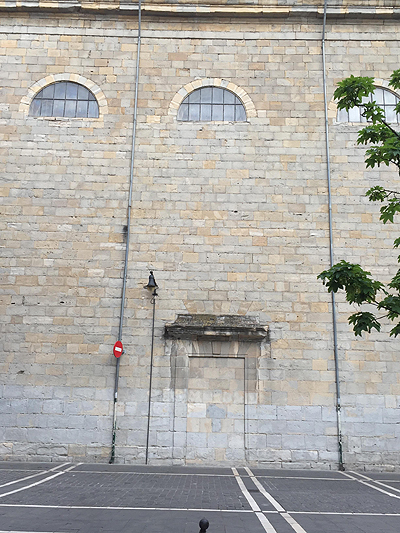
(232,217)
(369,366)
(64,190)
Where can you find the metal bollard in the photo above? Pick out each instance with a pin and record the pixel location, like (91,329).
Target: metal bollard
(204,523)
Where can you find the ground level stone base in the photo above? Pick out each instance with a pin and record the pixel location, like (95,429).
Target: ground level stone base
(158,457)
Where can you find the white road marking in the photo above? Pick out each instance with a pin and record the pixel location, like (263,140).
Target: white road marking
(269,528)
(41,473)
(289,519)
(150,473)
(204,475)
(344,513)
(376,481)
(387,486)
(372,486)
(266,494)
(110,508)
(28,532)
(266,524)
(38,482)
(304,477)
(3,468)
(246,493)
(292,522)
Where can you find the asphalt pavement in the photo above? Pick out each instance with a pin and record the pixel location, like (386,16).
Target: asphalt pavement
(102,498)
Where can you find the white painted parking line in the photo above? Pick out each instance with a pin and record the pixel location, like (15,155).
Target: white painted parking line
(269,528)
(38,482)
(111,508)
(289,519)
(41,473)
(372,486)
(246,493)
(266,524)
(150,473)
(292,522)
(375,481)
(30,532)
(347,514)
(266,494)
(303,477)
(185,509)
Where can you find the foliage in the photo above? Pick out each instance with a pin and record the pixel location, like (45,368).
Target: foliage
(384,148)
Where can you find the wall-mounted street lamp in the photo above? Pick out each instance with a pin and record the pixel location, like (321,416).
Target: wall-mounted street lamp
(151,286)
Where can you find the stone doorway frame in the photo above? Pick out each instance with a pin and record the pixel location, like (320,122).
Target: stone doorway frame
(213,336)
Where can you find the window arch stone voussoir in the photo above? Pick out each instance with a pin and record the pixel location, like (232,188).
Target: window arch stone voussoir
(52,78)
(213,82)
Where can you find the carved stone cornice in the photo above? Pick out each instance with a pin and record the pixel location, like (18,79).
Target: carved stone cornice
(217,328)
(258,8)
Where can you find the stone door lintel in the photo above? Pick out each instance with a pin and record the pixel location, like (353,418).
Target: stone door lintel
(217,328)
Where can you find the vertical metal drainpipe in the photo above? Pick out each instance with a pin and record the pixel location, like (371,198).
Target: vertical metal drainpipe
(128,231)
(334,321)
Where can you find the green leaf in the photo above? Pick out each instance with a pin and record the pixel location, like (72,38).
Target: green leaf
(376,156)
(395,79)
(372,112)
(376,194)
(351,91)
(364,321)
(395,283)
(392,305)
(356,282)
(389,210)
(388,152)
(374,134)
(395,331)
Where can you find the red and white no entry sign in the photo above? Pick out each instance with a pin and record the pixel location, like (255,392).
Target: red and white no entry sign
(118,349)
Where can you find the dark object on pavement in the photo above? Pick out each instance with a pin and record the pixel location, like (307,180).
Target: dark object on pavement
(203,525)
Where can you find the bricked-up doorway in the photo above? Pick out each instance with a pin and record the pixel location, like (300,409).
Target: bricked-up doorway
(215,427)
(214,362)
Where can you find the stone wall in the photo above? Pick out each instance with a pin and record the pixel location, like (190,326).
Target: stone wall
(232,217)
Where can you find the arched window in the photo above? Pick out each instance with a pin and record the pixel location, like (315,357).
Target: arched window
(64,99)
(211,103)
(383,97)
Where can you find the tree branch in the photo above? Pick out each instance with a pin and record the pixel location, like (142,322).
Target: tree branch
(391,129)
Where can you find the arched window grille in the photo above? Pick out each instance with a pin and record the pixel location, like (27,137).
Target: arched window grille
(64,99)
(383,97)
(211,103)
